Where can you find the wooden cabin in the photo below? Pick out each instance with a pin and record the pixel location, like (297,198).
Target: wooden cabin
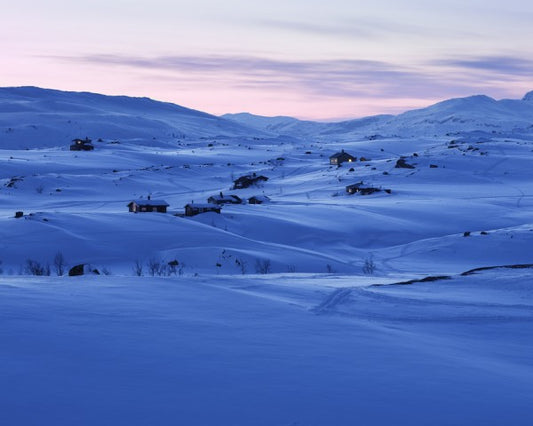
(148,205)
(341,157)
(258,199)
(192,209)
(224,199)
(353,188)
(81,145)
(248,180)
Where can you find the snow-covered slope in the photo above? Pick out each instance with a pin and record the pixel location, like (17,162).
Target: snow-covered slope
(475,113)
(31,117)
(471,181)
(270,350)
(289,312)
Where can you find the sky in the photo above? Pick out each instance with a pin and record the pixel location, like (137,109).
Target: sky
(310,59)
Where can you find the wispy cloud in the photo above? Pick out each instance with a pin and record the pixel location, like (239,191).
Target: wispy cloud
(363,29)
(493,64)
(342,79)
(326,78)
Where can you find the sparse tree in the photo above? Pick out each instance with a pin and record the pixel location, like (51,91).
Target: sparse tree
(138,267)
(33,267)
(157,267)
(369,266)
(242,265)
(154,266)
(59,263)
(263,266)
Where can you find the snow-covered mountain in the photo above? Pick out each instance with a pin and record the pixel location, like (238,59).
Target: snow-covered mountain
(475,113)
(32,117)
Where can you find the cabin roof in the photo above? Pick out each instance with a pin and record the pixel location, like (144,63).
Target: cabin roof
(149,202)
(202,205)
(219,197)
(340,154)
(259,197)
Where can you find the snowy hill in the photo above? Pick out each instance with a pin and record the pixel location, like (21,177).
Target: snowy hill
(317,307)
(31,117)
(469,181)
(475,113)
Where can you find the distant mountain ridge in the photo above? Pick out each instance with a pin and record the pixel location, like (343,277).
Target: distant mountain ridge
(33,117)
(473,113)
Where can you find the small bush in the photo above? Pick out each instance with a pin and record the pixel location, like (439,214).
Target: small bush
(59,263)
(138,267)
(369,266)
(263,266)
(33,267)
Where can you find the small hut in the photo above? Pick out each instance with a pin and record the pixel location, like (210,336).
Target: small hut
(341,157)
(248,180)
(148,205)
(224,199)
(258,199)
(192,209)
(81,145)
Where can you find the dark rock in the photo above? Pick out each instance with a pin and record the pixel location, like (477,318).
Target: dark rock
(76,270)
(402,164)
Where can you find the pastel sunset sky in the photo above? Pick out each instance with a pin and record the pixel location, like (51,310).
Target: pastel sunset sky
(327,59)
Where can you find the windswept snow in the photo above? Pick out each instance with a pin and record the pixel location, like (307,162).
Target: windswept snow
(277,350)
(282,313)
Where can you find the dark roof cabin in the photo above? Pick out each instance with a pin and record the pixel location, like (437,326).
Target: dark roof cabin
(224,199)
(358,188)
(341,157)
(248,180)
(81,145)
(352,189)
(159,206)
(192,209)
(258,199)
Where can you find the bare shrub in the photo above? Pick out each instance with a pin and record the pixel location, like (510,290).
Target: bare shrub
(59,263)
(154,266)
(242,265)
(263,266)
(138,267)
(369,266)
(33,267)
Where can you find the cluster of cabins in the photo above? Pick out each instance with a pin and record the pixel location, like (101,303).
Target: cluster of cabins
(214,202)
(357,188)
